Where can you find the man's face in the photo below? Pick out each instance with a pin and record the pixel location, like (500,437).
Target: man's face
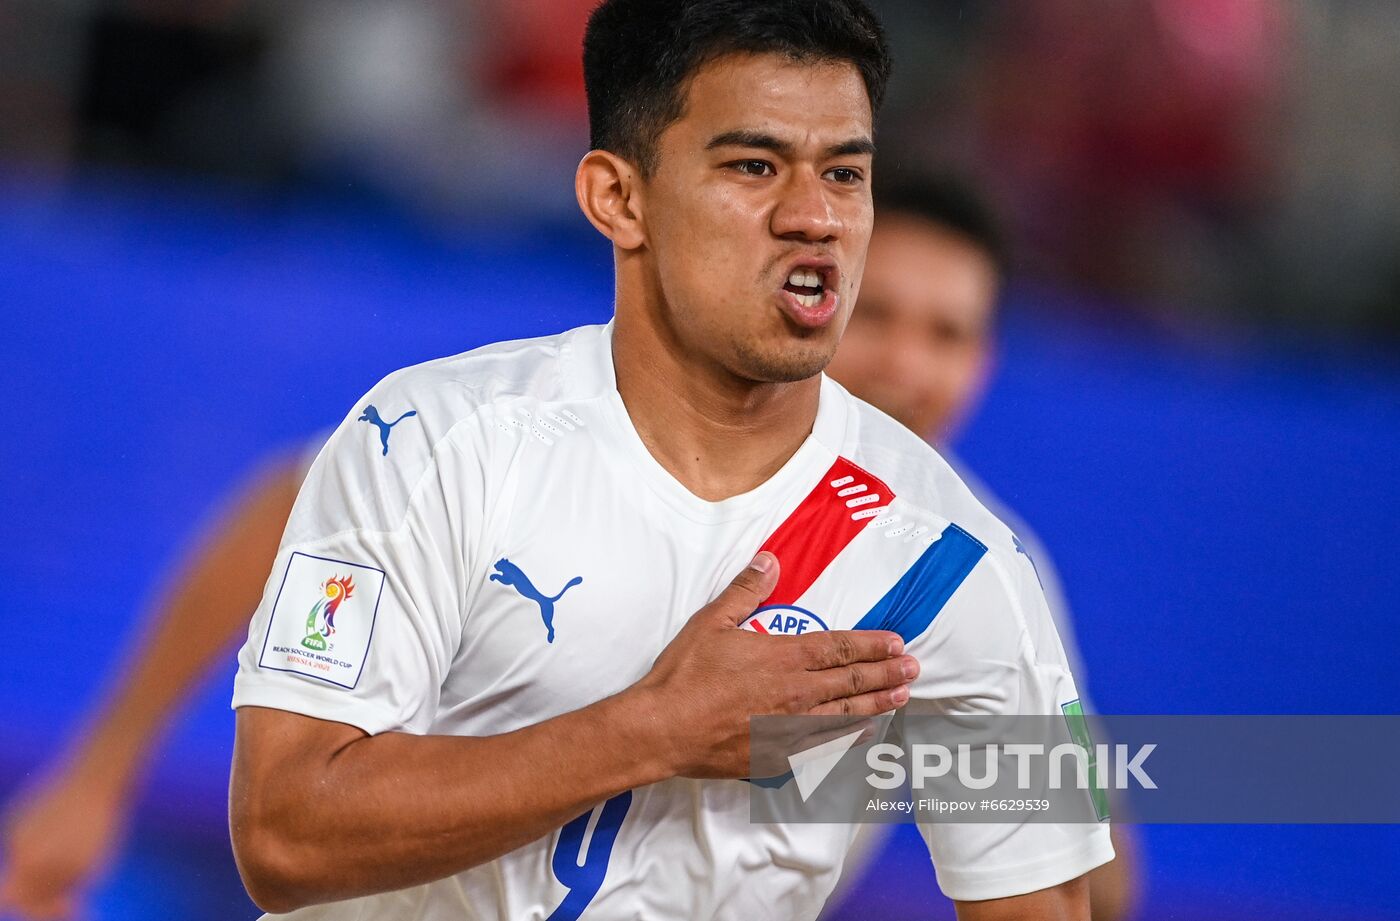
(758,214)
(919,341)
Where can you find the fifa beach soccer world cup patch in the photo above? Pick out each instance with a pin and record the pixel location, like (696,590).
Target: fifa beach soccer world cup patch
(323,619)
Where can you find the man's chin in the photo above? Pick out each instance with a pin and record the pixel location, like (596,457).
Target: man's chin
(782,364)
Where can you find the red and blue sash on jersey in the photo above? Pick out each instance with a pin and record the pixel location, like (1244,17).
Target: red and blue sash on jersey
(826,522)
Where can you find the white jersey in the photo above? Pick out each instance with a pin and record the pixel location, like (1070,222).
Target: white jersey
(486,543)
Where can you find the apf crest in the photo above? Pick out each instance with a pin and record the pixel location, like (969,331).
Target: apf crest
(784,620)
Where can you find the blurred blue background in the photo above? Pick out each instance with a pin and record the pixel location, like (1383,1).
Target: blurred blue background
(1197,403)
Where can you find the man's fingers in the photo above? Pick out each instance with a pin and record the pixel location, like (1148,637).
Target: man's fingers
(837,648)
(842,726)
(872,704)
(770,757)
(749,589)
(864,677)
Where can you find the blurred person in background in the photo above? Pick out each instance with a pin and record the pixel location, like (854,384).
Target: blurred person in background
(64,832)
(920,346)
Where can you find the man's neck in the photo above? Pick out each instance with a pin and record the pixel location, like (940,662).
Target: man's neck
(718,435)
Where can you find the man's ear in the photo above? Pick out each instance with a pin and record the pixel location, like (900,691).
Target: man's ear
(609,191)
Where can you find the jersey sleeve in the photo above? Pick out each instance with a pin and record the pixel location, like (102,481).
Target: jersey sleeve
(362,613)
(993,649)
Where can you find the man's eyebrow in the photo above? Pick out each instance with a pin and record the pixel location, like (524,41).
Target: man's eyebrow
(762,141)
(757,139)
(852,147)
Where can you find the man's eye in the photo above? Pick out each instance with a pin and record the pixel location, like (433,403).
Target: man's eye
(844,175)
(754,167)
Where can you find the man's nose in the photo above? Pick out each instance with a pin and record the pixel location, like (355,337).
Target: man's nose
(804,209)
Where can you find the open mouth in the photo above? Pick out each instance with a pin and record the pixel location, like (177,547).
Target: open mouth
(807,285)
(809,293)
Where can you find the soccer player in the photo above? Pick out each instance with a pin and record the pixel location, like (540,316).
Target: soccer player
(507,621)
(717,395)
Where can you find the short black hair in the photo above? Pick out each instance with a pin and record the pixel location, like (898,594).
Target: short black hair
(951,202)
(639,54)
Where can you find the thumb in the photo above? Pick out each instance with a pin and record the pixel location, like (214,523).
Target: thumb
(749,589)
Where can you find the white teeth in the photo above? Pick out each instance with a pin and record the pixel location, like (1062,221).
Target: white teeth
(805,278)
(809,300)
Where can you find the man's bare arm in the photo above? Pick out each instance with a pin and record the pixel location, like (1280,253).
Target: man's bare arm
(319,811)
(58,837)
(1068,901)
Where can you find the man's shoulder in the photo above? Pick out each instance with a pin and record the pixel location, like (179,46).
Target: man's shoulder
(408,424)
(925,486)
(553,368)
(941,547)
